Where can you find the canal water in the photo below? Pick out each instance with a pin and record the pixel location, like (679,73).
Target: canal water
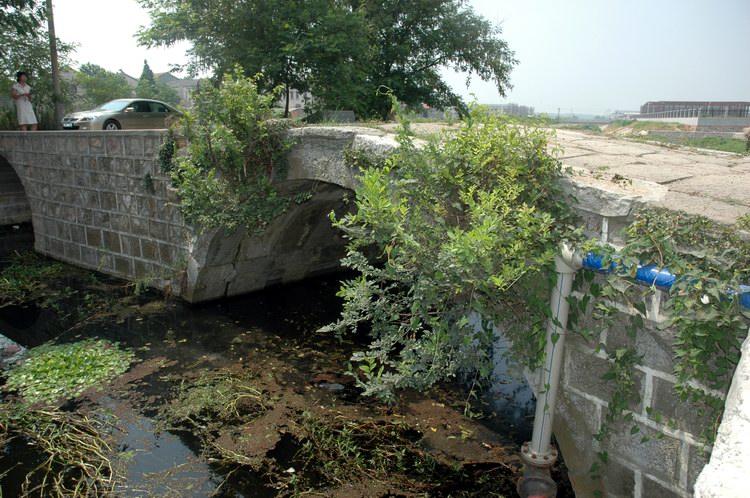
(272,339)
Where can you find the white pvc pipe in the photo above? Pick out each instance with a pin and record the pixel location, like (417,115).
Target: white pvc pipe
(539,451)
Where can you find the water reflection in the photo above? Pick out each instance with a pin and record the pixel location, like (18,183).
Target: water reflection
(279,322)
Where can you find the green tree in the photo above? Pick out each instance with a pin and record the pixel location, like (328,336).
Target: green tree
(149,88)
(291,44)
(100,86)
(340,50)
(410,41)
(30,53)
(21,17)
(462,226)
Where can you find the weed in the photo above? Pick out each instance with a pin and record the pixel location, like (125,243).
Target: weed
(213,399)
(342,450)
(75,460)
(25,279)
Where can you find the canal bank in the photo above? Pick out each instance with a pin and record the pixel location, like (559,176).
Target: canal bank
(305,429)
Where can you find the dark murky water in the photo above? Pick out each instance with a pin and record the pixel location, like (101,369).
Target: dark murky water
(280,322)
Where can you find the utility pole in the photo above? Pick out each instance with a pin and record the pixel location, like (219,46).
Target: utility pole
(56,93)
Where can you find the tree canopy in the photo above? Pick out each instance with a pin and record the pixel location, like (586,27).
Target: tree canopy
(340,50)
(23,36)
(21,17)
(100,86)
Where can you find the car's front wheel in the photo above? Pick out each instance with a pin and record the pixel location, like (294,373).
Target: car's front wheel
(111,125)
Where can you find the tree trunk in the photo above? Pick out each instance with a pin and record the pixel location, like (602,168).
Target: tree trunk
(56,93)
(286,106)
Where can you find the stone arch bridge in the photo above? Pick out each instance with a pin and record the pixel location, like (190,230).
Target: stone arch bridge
(98,200)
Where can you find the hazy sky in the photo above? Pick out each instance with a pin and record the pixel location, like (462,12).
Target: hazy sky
(584,56)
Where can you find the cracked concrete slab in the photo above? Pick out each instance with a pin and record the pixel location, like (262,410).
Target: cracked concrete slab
(712,184)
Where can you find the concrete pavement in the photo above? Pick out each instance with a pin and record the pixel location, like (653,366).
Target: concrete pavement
(698,181)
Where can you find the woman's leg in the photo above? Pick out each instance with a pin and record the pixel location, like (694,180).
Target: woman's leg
(22,127)
(33,127)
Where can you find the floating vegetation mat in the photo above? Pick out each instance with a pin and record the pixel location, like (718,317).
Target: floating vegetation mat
(63,371)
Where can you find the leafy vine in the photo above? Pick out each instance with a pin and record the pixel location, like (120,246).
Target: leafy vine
(701,309)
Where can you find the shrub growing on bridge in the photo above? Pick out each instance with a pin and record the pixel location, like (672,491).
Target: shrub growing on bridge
(234,149)
(458,223)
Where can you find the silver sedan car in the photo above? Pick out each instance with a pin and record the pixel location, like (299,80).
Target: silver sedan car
(127,114)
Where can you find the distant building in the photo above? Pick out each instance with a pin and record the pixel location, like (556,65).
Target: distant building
(624,115)
(727,117)
(297,102)
(698,109)
(133,82)
(184,87)
(436,113)
(512,110)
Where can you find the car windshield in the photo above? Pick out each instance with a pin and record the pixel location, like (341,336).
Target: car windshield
(113,105)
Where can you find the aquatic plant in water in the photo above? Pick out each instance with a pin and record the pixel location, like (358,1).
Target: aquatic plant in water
(25,279)
(55,371)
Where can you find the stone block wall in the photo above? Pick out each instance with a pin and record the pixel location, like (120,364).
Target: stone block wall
(665,465)
(14,205)
(668,463)
(99,201)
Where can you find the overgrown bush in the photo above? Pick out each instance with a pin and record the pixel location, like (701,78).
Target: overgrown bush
(460,225)
(234,151)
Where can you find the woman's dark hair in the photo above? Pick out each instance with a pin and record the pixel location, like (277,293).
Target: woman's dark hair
(19,73)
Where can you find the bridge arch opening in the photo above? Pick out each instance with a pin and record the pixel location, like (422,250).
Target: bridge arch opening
(14,203)
(299,244)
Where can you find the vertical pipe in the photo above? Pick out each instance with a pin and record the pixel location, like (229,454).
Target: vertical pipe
(539,448)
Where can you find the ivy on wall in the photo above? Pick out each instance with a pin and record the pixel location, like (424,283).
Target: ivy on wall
(702,310)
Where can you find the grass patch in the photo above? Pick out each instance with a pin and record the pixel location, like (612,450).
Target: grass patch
(735,145)
(214,399)
(214,408)
(585,127)
(25,279)
(62,371)
(637,126)
(342,450)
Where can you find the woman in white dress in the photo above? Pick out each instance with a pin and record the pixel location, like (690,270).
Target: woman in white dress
(21,93)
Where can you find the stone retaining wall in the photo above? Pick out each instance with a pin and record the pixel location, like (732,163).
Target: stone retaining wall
(98,200)
(668,464)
